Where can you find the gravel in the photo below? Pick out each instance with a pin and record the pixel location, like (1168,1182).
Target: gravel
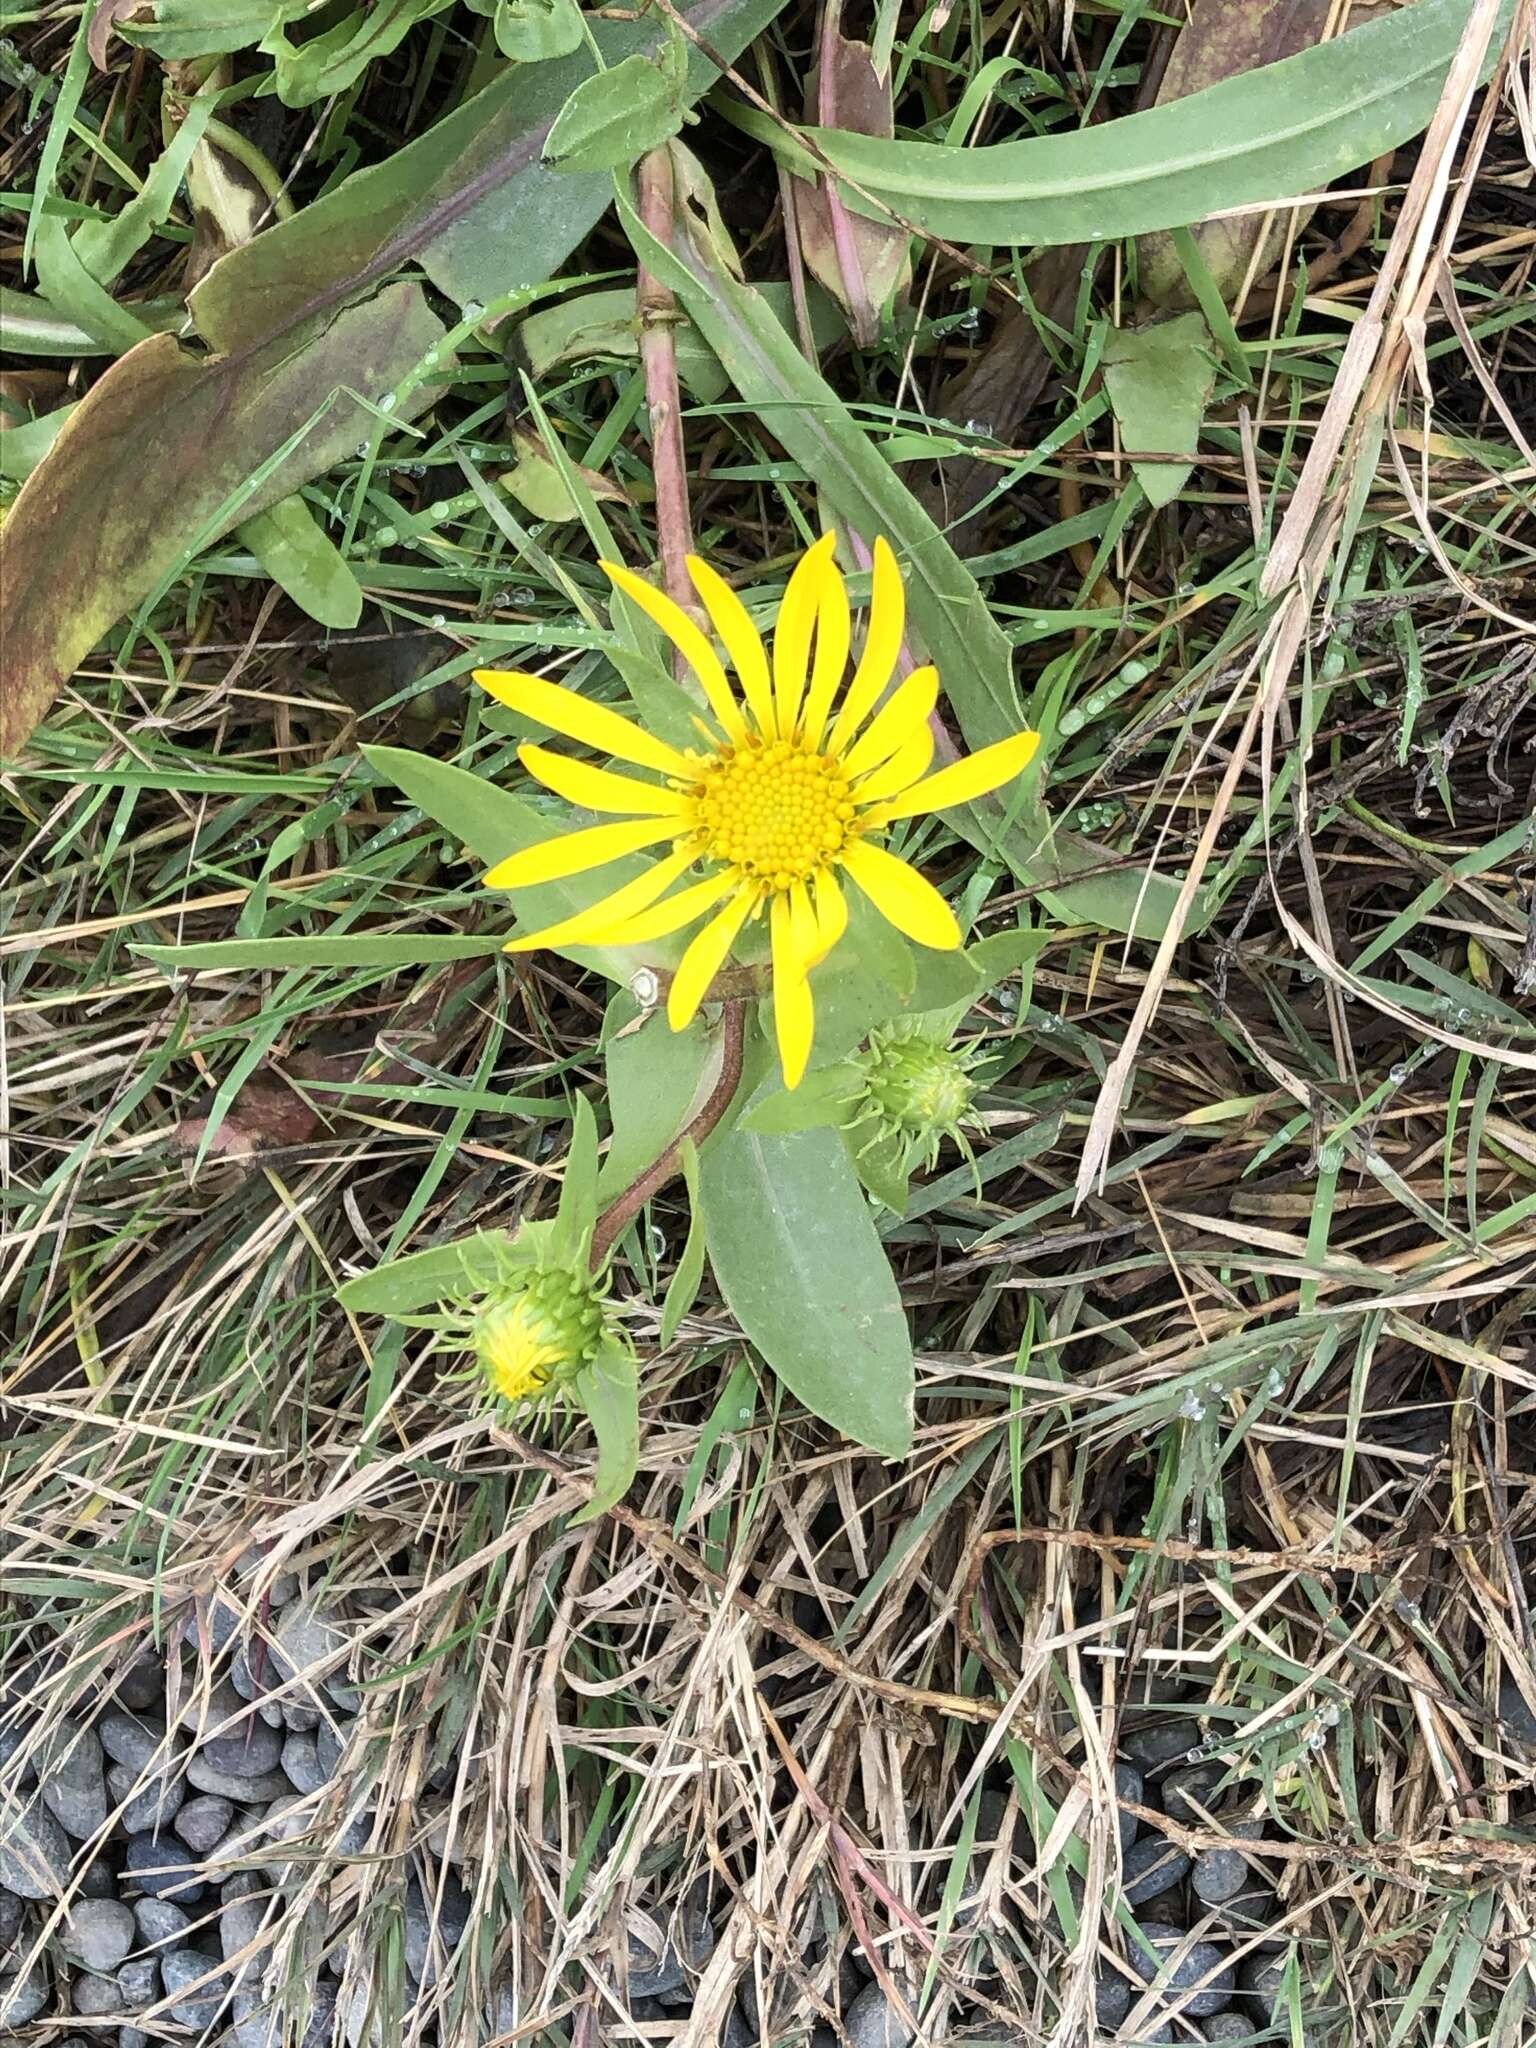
(301,1762)
(71,1780)
(330,1741)
(159,1921)
(181,1968)
(34,1850)
(101,1932)
(1129,1784)
(1151,1867)
(142,1685)
(1261,1977)
(23,1996)
(158,1864)
(204,1821)
(1203,1957)
(147,1803)
(1195,1785)
(97,1997)
(435,1926)
(205,1776)
(1227,2026)
(1111,1998)
(139,1982)
(248,1748)
(1516,1714)
(871,2023)
(131,1739)
(1159,1742)
(1220,1874)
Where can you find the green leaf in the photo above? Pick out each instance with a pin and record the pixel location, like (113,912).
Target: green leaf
(165,453)
(795,1252)
(1263,135)
(359,949)
(532,31)
(23,446)
(440,1273)
(471,201)
(656,1077)
(820,1103)
(298,554)
(208,28)
(609,1391)
(331,61)
(612,119)
(880,1163)
(577,1210)
(493,823)
(1159,379)
(683,1287)
(948,611)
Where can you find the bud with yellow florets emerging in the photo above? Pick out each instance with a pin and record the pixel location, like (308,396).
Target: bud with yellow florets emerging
(539,1330)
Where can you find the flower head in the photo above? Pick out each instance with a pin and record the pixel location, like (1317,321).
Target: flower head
(915,1090)
(538,1331)
(788,796)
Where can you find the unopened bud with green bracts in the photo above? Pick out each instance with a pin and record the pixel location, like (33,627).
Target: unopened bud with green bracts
(913,1091)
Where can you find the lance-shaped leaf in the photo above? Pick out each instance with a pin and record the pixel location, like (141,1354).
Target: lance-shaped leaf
(1159,378)
(162,456)
(1269,134)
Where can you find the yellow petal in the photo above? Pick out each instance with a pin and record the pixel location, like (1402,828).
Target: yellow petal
(552,704)
(902,896)
(794,1013)
(909,761)
(882,645)
(687,639)
(831,913)
(905,710)
(581,928)
(598,789)
(792,630)
(704,958)
(963,780)
(834,629)
(573,853)
(741,641)
(668,916)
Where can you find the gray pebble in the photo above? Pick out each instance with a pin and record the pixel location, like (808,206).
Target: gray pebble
(330,1741)
(23,1996)
(12,1913)
(1220,1874)
(159,1921)
(297,1719)
(248,1748)
(301,1762)
(142,1685)
(1261,1978)
(655,1967)
(181,1968)
(154,1804)
(139,1982)
(1111,1998)
(1516,1715)
(1129,1784)
(101,1932)
(1151,1867)
(204,1821)
(307,1635)
(205,1776)
(1196,1784)
(257,2025)
(218,1618)
(72,1780)
(1159,1742)
(97,1997)
(158,1864)
(1252,1912)
(98,1880)
(1227,2026)
(435,1924)
(242,1918)
(134,2037)
(131,1739)
(739,2030)
(1202,1957)
(871,2023)
(34,1849)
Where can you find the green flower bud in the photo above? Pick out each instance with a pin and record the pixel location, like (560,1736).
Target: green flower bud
(538,1330)
(914,1089)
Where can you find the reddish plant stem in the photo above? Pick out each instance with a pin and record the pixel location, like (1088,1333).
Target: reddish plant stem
(656,305)
(622,1211)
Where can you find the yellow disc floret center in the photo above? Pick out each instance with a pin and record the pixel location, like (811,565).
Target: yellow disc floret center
(774,809)
(519,1348)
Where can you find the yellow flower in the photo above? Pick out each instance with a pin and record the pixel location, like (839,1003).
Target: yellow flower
(789,794)
(543,1328)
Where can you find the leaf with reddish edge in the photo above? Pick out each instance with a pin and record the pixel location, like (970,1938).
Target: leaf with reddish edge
(156,462)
